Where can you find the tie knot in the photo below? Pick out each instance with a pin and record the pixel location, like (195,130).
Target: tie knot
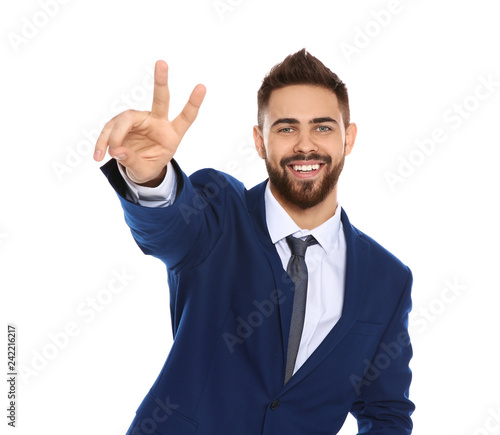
(299,246)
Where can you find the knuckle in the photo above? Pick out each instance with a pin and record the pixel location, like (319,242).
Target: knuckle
(158,101)
(108,126)
(128,114)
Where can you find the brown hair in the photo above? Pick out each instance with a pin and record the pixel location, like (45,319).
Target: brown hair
(301,68)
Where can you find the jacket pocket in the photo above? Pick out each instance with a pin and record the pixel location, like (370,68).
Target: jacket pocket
(366,328)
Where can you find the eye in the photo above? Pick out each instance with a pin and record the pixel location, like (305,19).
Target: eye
(285,130)
(323,128)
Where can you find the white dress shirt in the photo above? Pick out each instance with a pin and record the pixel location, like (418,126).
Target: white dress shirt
(325,261)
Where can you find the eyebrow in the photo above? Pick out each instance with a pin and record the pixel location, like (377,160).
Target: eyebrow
(296,121)
(324,119)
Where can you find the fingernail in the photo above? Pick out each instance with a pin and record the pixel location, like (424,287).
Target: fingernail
(97,154)
(120,157)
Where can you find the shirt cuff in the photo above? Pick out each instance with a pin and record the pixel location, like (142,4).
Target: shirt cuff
(160,196)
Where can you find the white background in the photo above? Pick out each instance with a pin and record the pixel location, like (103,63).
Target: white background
(62,233)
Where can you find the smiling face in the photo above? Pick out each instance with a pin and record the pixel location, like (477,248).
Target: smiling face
(304,142)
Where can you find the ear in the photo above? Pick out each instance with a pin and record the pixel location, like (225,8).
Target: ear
(350,137)
(259,141)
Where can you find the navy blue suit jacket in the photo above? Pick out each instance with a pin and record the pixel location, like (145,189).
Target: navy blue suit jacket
(231,304)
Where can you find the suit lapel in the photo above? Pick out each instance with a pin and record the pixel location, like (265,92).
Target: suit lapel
(282,281)
(357,256)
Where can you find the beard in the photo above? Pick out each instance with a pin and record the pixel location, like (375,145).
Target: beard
(304,193)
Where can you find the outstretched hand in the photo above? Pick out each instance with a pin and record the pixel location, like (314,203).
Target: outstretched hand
(144,142)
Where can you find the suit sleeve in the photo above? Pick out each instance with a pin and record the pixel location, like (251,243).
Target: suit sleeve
(183,233)
(383,406)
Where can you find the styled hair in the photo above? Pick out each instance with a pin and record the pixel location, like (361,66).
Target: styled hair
(301,68)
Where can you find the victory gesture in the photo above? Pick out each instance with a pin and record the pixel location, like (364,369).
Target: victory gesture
(144,142)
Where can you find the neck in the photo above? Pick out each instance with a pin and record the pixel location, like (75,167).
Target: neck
(310,218)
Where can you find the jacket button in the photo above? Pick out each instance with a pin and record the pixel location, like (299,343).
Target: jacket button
(275,404)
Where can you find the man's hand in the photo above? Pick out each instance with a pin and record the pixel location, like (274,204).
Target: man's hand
(144,142)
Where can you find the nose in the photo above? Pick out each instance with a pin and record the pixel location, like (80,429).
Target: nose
(305,144)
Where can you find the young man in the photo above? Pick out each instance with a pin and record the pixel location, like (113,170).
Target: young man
(285,316)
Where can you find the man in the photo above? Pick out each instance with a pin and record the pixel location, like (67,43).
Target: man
(285,316)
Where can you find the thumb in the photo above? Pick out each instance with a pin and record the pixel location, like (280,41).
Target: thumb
(122,155)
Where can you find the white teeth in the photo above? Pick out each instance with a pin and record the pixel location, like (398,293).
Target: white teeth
(305,168)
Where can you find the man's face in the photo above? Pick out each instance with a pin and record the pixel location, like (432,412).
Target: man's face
(304,143)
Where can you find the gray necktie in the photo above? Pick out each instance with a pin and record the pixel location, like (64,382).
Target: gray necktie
(297,270)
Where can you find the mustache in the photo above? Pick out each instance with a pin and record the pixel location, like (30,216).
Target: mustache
(285,161)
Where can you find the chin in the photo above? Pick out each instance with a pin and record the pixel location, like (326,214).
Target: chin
(310,196)
(304,193)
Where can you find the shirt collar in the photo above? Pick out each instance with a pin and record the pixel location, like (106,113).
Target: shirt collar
(281,225)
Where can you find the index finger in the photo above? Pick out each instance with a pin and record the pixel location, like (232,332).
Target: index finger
(161,94)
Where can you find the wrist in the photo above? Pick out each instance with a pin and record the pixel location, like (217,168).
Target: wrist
(154,182)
